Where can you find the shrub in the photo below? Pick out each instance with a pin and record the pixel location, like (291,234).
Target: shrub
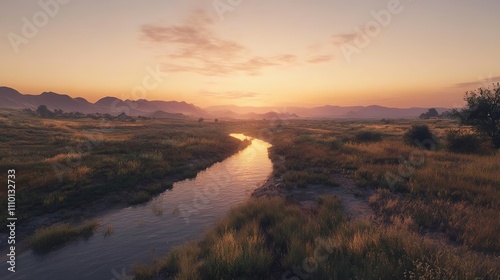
(462,142)
(368,136)
(420,136)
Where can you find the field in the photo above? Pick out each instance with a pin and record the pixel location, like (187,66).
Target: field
(436,213)
(432,213)
(67,170)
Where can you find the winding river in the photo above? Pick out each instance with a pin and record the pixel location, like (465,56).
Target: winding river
(141,232)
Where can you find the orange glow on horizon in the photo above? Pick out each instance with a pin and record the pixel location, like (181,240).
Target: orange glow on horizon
(270,60)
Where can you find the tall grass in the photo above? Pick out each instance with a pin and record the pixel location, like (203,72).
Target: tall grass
(268,239)
(77,162)
(48,238)
(455,195)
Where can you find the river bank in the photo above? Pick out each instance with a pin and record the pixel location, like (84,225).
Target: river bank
(59,182)
(358,199)
(141,232)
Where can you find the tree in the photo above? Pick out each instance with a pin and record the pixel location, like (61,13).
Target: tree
(59,112)
(462,142)
(482,112)
(200,120)
(43,111)
(29,112)
(445,115)
(420,136)
(431,113)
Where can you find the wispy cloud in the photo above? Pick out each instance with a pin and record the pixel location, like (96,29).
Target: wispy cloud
(339,39)
(195,47)
(320,58)
(481,82)
(231,94)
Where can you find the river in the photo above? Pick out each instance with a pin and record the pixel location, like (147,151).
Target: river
(140,232)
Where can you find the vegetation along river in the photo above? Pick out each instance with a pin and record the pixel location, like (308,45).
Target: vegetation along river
(141,232)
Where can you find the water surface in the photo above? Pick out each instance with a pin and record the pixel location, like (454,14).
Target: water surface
(141,232)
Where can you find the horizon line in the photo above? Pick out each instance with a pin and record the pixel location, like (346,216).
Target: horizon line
(220,105)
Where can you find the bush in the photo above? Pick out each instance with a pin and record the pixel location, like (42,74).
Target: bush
(420,136)
(462,142)
(368,136)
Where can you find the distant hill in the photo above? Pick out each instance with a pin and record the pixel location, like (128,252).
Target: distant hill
(164,115)
(251,115)
(326,111)
(11,98)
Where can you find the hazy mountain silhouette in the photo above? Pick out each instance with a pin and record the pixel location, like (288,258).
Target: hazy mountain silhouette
(164,115)
(251,115)
(59,101)
(326,111)
(11,98)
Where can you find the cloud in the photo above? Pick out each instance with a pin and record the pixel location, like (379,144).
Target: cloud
(195,47)
(320,59)
(231,94)
(339,39)
(314,48)
(481,82)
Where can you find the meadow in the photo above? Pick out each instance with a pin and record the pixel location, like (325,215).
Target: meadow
(437,213)
(68,170)
(435,201)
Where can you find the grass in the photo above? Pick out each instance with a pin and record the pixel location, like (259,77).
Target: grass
(79,163)
(367,136)
(48,238)
(443,192)
(108,231)
(433,192)
(269,239)
(436,193)
(140,197)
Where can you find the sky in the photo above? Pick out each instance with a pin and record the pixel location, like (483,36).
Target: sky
(253,52)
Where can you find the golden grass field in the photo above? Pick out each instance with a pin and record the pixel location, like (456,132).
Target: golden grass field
(437,213)
(70,169)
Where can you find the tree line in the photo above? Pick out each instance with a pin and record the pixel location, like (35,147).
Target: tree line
(44,112)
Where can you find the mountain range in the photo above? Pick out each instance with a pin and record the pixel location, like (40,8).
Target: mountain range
(12,99)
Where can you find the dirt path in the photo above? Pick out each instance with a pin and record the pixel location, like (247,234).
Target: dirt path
(354,200)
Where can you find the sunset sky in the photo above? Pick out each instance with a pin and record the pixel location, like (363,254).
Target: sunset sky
(253,52)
